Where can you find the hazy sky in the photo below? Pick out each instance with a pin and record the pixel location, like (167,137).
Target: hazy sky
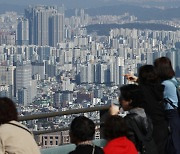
(19,5)
(74,3)
(67,3)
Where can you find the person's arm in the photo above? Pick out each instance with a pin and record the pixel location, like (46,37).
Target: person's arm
(114,109)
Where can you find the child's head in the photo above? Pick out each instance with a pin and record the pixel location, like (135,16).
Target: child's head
(82,129)
(114,127)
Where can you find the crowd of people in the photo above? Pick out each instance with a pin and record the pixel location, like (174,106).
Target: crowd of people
(152,123)
(151,126)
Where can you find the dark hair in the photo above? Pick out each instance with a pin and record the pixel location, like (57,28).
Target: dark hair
(82,129)
(8,110)
(131,92)
(164,68)
(147,75)
(114,127)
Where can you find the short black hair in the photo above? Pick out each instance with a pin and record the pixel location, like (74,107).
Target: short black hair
(147,75)
(82,128)
(8,111)
(131,92)
(164,68)
(114,127)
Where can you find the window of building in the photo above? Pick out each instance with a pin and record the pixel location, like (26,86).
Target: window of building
(51,137)
(45,137)
(57,137)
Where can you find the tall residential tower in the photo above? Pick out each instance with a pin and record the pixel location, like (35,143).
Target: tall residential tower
(22,33)
(46,25)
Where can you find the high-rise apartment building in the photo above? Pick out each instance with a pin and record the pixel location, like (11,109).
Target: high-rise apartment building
(46,25)
(25,86)
(7,38)
(23,75)
(56,29)
(22,33)
(7,73)
(6,91)
(23,96)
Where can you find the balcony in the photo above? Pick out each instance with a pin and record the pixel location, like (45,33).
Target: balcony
(65,149)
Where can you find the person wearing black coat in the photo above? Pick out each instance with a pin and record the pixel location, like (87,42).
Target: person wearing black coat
(139,125)
(87,149)
(152,92)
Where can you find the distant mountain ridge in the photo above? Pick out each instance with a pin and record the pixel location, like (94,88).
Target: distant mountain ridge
(103,29)
(140,12)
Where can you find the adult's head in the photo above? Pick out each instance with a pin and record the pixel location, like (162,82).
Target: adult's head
(82,129)
(114,127)
(164,68)
(8,111)
(147,75)
(130,96)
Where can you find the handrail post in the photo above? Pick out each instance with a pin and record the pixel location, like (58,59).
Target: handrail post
(103,116)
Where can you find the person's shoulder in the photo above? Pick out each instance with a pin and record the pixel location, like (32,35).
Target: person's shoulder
(99,149)
(72,152)
(128,118)
(168,83)
(81,149)
(131,115)
(5,127)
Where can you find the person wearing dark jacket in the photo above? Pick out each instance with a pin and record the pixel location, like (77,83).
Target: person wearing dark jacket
(82,131)
(152,92)
(139,125)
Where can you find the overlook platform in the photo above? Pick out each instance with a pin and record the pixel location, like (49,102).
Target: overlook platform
(65,149)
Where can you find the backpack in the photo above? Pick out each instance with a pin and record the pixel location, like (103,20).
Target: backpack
(147,142)
(167,100)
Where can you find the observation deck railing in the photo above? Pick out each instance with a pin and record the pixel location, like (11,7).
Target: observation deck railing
(64,149)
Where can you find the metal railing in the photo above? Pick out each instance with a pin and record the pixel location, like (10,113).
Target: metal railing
(60,113)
